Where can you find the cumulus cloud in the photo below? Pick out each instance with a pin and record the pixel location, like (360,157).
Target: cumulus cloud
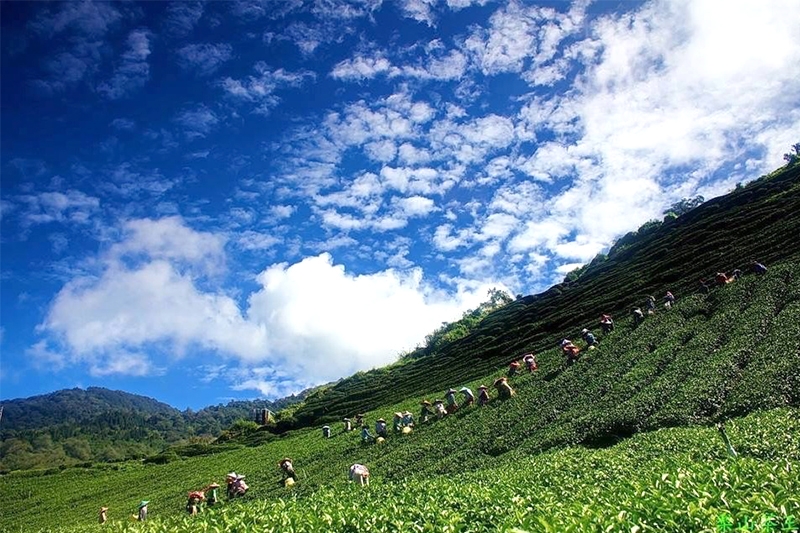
(313,319)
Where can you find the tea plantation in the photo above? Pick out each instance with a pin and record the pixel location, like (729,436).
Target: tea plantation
(545,460)
(623,440)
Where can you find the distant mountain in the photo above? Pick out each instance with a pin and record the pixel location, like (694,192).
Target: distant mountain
(74,426)
(75,406)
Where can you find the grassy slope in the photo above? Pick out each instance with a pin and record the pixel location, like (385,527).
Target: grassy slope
(670,480)
(696,363)
(760,221)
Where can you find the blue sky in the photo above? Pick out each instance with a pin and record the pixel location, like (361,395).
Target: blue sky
(205,201)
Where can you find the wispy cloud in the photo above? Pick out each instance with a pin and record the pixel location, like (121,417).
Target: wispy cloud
(260,89)
(133,70)
(204,59)
(88,18)
(197,121)
(182,16)
(64,207)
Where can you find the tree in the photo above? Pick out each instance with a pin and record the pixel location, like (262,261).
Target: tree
(685,205)
(793,158)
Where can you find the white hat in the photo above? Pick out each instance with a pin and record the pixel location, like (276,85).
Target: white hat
(584,330)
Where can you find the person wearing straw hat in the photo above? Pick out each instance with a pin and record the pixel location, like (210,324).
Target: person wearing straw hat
(236,485)
(360,473)
(408,419)
(504,390)
(438,408)
(380,428)
(588,337)
(513,368)
(287,468)
(530,361)
(450,397)
(193,504)
(483,395)
(570,351)
(425,412)
(142,514)
(212,494)
(469,397)
(103,516)
(239,486)
(348,425)
(606,323)
(326,432)
(366,436)
(397,422)
(229,480)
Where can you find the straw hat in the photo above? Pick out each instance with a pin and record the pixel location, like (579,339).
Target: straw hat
(405,413)
(398,414)
(584,330)
(484,387)
(380,420)
(425,402)
(214,486)
(451,391)
(231,475)
(103,509)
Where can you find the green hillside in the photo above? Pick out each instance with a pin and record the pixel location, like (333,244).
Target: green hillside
(759,221)
(624,440)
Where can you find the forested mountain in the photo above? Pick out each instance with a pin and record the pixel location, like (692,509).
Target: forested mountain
(97,424)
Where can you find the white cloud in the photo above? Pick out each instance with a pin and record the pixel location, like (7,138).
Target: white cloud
(419,10)
(123,363)
(253,240)
(282,211)
(261,88)
(69,207)
(182,17)
(84,17)
(133,71)
(415,206)
(197,122)
(510,39)
(361,67)
(204,59)
(312,318)
(353,326)
(123,124)
(172,240)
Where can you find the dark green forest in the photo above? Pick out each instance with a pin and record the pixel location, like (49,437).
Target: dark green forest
(77,426)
